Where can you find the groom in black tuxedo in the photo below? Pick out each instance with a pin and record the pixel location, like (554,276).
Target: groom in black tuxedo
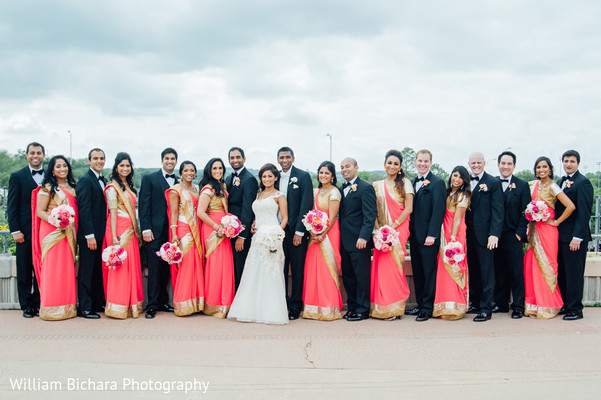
(154,222)
(90,234)
(574,235)
(298,188)
(509,256)
(429,204)
(484,222)
(242,187)
(358,212)
(20,186)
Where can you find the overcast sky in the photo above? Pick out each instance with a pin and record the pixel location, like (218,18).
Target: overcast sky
(202,76)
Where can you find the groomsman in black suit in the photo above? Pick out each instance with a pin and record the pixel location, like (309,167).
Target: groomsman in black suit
(358,212)
(242,187)
(574,235)
(484,221)
(20,186)
(425,224)
(509,256)
(154,222)
(298,188)
(90,234)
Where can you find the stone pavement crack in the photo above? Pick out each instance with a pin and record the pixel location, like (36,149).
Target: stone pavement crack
(307,347)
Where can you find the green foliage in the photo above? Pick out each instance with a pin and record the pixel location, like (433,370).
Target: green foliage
(409,162)
(525,174)
(440,172)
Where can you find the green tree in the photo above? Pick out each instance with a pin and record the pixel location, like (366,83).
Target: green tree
(440,172)
(409,162)
(525,174)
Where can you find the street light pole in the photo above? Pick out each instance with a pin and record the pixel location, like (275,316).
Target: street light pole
(70,146)
(330,136)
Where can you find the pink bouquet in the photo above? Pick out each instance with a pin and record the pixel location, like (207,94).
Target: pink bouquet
(231,225)
(453,253)
(537,210)
(271,237)
(113,256)
(61,216)
(385,238)
(316,221)
(170,253)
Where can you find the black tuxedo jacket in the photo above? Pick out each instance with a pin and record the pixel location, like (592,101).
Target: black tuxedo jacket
(299,195)
(486,212)
(152,206)
(577,224)
(92,207)
(20,186)
(429,205)
(515,201)
(358,213)
(241,198)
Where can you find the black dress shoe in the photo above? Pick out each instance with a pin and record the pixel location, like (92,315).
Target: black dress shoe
(482,317)
(151,313)
(348,314)
(415,311)
(473,310)
(572,316)
(88,314)
(28,312)
(36,311)
(421,317)
(497,309)
(99,309)
(165,308)
(293,314)
(358,317)
(563,311)
(517,314)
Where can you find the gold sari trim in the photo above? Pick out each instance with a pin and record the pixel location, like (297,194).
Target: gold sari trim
(322,313)
(449,310)
(54,237)
(122,312)
(541,258)
(387,311)
(51,240)
(186,209)
(187,242)
(532,310)
(329,256)
(398,252)
(58,313)
(212,242)
(189,306)
(128,205)
(454,271)
(216,311)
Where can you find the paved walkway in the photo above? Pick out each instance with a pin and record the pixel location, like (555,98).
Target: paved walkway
(373,359)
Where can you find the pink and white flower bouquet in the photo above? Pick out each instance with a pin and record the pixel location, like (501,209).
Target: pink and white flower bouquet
(61,216)
(316,221)
(113,256)
(171,253)
(453,253)
(271,237)
(385,238)
(231,225)
(537,211)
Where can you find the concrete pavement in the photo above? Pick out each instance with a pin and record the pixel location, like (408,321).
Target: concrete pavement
(372,359)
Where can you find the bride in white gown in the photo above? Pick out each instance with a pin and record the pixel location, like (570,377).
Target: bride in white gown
(261,296)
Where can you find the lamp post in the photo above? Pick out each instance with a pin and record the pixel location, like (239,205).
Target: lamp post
(70,146)
(330,136)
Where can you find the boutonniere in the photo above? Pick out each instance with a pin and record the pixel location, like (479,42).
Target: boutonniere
(569,183)
(483,188)
(354,187)
(293,179)
(236,181)
(511,187)
(426,183)
(294,186)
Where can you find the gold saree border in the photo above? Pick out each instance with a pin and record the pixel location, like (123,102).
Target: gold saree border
(122,312)
(216,310)
(187,210)
(532,310)
(449,310)
(329,257)
(391,310)
(541,258)
(212,242)
(321,313)
(188,307)
(454,271)
(57,313)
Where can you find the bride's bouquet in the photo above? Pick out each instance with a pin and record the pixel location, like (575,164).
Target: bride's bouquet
(537,211)
(385,238)
(271,237)
(316,221)
(113,256)
(171,253)
(231,225)
(453,253)
(61,216)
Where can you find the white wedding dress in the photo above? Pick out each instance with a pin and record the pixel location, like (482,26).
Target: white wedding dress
(261,296)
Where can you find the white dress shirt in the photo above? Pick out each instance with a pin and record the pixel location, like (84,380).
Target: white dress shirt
(473,183)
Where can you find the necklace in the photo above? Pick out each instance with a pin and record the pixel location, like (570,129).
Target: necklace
(63,184)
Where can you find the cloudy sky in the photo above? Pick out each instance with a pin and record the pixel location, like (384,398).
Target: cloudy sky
(202,76)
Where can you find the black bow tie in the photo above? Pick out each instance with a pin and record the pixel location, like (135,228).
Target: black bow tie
(235,174)
(563,179)
(475,178)
(345,185)
(420,179)
(39,171)
(102,179)
(169,176)
(504,180)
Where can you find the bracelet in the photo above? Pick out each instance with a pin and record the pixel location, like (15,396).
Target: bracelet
(173,226)
(216,225)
